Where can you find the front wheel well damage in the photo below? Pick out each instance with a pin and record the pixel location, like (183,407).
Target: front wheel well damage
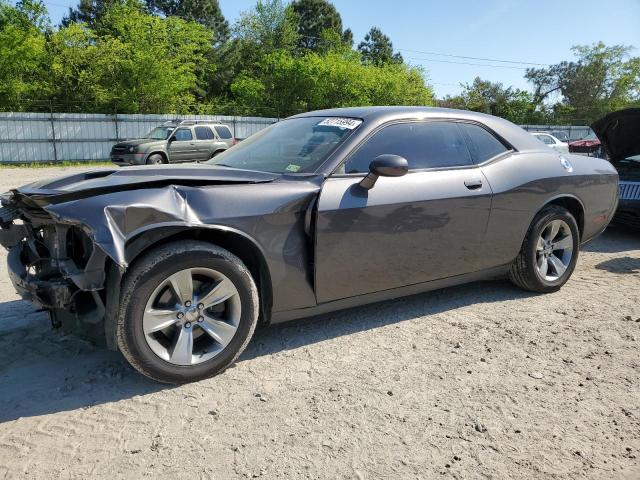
(236,243)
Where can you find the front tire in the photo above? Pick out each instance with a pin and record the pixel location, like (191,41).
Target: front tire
(155,159)
(188,310)
(549,251)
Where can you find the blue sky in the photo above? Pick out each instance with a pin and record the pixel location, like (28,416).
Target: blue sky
(540,31)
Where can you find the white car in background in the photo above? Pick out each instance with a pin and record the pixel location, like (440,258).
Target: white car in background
(551,141)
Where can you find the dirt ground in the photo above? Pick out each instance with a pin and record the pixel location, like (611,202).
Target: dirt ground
(479,381)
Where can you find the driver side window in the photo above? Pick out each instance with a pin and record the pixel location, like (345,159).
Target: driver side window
(423,144)
(183,134)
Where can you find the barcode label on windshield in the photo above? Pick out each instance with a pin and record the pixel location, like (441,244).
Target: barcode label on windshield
(341,122)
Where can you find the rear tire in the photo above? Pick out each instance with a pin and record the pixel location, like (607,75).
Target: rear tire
(165,330)
(549,251)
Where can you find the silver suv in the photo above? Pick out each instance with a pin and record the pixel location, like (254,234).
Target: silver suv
(175,142)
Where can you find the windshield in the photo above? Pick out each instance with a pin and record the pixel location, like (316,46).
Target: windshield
(160,133)
(591,136)
(297,145)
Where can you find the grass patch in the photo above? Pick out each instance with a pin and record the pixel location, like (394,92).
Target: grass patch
(66,163)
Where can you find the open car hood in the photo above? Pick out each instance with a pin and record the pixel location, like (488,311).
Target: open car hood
(619,132)
(98,182)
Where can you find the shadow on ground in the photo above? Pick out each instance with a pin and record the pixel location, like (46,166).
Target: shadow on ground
(37,362)
(43,371)
(621,265)
(615,239)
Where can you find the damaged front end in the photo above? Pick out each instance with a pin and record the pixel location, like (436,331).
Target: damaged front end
(71,239)
(55,266)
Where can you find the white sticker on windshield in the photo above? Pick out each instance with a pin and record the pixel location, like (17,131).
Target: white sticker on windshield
(341,122)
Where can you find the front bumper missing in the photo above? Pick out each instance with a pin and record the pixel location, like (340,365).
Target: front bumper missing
(42,272)
(48,294)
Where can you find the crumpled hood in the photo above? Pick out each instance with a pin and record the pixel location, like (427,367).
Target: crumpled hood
(98,182)
(619,132)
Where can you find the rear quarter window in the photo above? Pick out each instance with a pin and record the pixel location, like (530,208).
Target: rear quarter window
(204,133)
(482,143)
(223,132)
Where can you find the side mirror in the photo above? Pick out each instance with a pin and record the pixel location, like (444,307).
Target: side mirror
(385,166)
(172,138)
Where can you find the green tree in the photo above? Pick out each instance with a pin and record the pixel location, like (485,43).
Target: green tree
(314,17)
(23,56)
(601,79)
(133,62)
(493,98)
(338,78)
(204,12)
(347,38)
(377,49)
(269,26)
(88,11)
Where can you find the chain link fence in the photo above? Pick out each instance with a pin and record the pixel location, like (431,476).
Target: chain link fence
(85,137)
(572,132)
(50,137)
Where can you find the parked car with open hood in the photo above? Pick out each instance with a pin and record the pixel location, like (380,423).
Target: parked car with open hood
(175,142)
(175,265)
(589,145)
(619,133)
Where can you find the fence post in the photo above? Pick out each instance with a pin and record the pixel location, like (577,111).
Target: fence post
(53,132)
(115,121)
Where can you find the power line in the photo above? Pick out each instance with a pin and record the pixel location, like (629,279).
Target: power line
(453,56)
(466,63)
(473,58)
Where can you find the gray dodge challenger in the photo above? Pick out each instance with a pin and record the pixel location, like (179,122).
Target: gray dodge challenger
(176,265)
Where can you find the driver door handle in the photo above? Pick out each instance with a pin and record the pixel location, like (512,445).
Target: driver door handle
(473,184)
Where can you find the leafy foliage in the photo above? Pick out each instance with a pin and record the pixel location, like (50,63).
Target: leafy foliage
(377,49)
(292,84)
(204,12)
(22,52)
(314,17)
(88,11)
(142,56)
(269,26)
(494,99)
(132,62)
(601,80)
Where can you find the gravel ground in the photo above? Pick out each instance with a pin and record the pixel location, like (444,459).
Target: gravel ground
(478,381)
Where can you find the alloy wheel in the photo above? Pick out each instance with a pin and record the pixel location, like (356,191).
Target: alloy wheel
(191,316)
(554,250)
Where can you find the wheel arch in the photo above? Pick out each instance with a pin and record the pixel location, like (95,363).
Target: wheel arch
(573,204)
(162,153)
(237,242)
